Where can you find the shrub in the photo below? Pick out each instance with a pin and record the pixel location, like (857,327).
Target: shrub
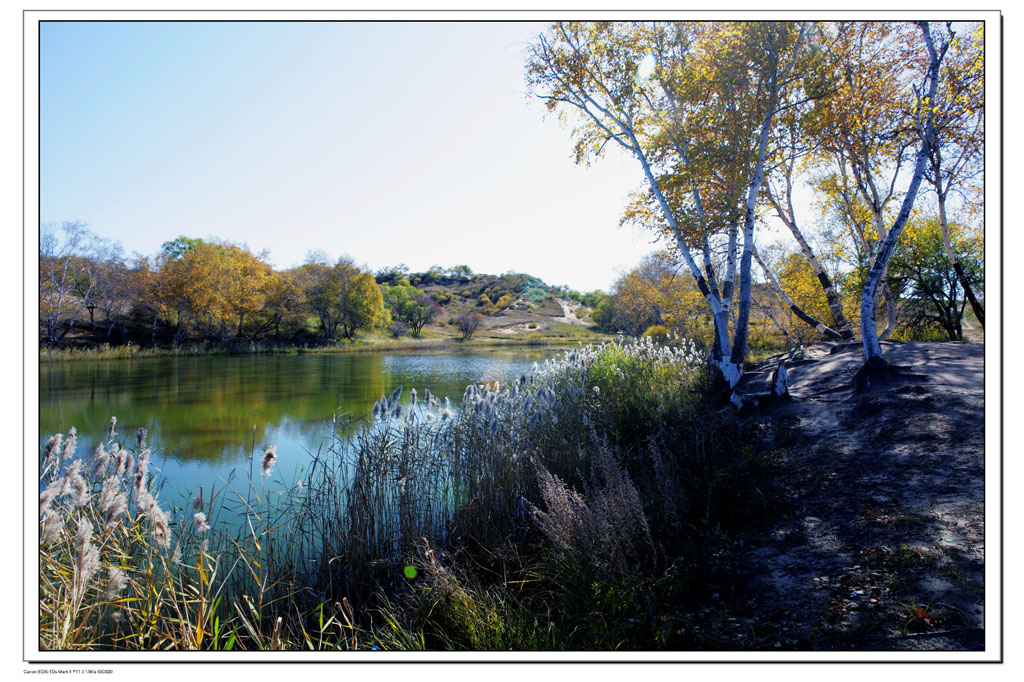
(532,325)
(468,323)
(398,329)
(658,333)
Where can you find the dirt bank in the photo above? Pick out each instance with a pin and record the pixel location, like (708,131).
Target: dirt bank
(879,542)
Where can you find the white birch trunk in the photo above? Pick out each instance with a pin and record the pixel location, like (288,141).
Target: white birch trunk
(739,341)
(835,307)
(868,325)
(796,309)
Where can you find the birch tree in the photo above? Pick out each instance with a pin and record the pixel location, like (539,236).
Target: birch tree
(955,159)
(729,78)
(69,258)
(779,187)
(862,128)
(924,122)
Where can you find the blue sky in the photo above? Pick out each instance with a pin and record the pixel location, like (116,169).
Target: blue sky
(409,143)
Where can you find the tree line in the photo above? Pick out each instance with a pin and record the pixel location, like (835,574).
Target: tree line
(196,290)
(930,303)
(731,122)
(210,290)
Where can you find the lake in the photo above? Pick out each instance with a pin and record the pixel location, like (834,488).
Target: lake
(205,416)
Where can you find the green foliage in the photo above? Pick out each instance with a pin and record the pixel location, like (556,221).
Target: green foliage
(176,248)
(593,298)
(658,333)
(393,275)
(921,271)
(411,306)
(604,314)
(343,297)
(460,272)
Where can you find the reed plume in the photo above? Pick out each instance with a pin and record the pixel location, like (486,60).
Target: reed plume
(269,457)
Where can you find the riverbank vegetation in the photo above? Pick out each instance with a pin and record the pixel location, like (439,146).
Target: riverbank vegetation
(550,510)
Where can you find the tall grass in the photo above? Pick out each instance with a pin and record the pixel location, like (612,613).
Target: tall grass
(538,467)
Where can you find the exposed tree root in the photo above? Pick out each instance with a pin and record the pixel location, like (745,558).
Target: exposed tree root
(877,373)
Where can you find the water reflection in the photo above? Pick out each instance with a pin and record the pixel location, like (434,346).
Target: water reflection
(206,415)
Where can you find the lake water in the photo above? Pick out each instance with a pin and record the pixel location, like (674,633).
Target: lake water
(206,416)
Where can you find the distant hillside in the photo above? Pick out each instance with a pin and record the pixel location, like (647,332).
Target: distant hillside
(511,305)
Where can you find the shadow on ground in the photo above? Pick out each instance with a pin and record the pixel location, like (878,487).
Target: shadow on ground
(879,542)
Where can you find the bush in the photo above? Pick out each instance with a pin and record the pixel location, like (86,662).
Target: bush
(658,333)
(532,325)
(398,329)
(468,324)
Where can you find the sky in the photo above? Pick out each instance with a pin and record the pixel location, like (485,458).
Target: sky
(412,143)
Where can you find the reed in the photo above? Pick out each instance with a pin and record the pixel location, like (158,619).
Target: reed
(326,562)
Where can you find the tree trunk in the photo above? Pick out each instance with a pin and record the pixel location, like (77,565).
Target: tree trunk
(842,327)
(717,352)
(730,372)
(868,325)
(797,310)
(961,276)
(739,341)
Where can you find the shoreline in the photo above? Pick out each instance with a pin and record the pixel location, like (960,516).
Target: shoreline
(131,351)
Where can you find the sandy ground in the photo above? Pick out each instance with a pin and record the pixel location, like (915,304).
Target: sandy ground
(881,544)
(569,309)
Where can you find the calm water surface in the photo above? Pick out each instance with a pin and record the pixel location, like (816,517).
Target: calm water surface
(206,415)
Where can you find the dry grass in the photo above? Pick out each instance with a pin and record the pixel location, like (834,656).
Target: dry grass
(319,565)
